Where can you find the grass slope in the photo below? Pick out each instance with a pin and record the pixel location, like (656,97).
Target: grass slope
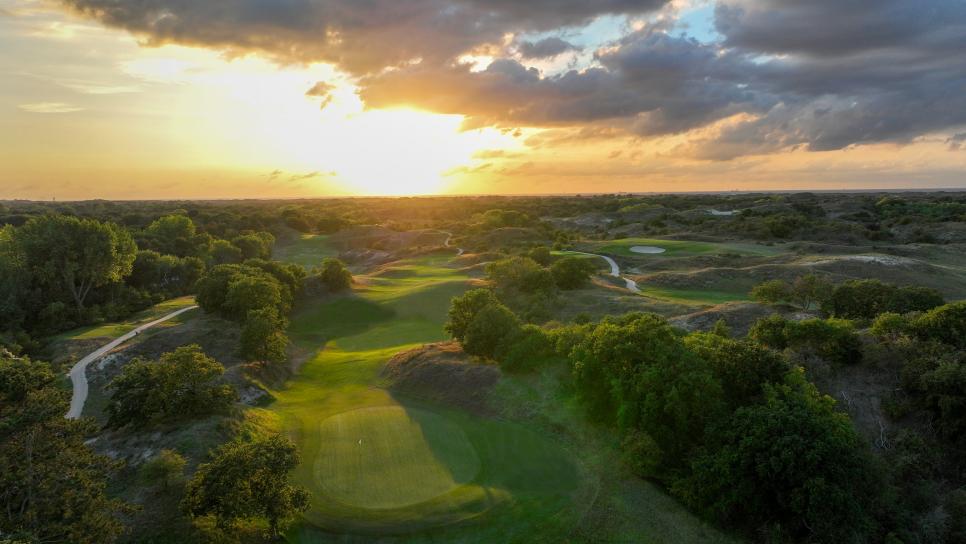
(119,328)
(419,469)
(678,248)
(307,250)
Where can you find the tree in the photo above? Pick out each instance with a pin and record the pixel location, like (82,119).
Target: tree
(334,275)
(832,339)
(252,292)
(541,254)
(463,310)
(173,235)
(770,332)
(52,486)
(489,331)
(571,272)
(263,336)
(635,371)
(184,383)
(165,469)
(792,463)
(865,299)
(771,292)
(223,252)
(809,289)
(78,254)
(741,366)
(946,324)
(526,350)
(521,274)
(246,480)
(255,246)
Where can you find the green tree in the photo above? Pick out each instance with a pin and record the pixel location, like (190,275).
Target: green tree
(253,292)
(224,252)
(741,366)
(521,274)
(255,246)
(463,310)
(770,332)
(334,275)
(174,235)
(772,292)
(791,464)
(247,480)
(52,486)
(77,254)
(263,336)
(946,324)
(571,272)
(541,255)
(165,469)
(832,339)
(184,383)
(490,331)
(810,289)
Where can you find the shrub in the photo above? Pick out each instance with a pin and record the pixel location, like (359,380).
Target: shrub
(770,332)
(164,469)
(641,454)
(946,324)
(521,274)
(831,339)
(541,254)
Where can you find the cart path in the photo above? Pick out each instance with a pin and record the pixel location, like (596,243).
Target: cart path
(78,374)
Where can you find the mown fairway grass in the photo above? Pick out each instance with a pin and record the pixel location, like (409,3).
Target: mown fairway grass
(419,470)
(119,328)
(678,248)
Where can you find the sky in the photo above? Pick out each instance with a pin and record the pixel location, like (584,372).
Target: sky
(158,99)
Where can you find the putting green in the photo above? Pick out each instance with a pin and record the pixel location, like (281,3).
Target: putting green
(373,456)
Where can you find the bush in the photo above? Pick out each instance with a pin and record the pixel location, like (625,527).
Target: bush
(946,324)
(164,469)
(770,332)
(742,367)
(865,299)
(641,454)
(831,339)
(541,254)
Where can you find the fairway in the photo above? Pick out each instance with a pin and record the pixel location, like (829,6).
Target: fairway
(374,456)
(678,248)
(377,464)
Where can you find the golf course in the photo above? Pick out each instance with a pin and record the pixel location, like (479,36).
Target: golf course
(377,464)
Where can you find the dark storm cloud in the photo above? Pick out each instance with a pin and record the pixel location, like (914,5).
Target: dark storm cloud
(653,84)
(545,48)
(359,36)
(817,74)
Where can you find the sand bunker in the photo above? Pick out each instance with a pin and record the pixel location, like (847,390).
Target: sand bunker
(648,250)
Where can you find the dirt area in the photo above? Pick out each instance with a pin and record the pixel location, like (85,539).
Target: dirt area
(443,373)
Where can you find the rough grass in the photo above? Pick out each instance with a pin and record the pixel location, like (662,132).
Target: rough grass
(119,328)
(307,250)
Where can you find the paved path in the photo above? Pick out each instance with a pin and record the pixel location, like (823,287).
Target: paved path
(459,250)
(78,374)
(615,270)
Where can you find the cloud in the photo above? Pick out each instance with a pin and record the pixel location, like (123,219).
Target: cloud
(785,74)
(360,37)
(957,141)
(322,90)
(49,107)
(545,48)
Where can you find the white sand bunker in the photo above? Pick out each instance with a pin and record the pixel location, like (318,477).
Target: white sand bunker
(648,250)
